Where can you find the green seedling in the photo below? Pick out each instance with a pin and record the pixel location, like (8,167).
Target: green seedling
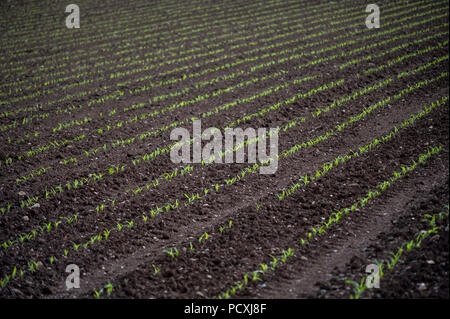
(204,236)
(256,276)
(173,252)
(106,233)
(156,271)
(109,288)
(97,294)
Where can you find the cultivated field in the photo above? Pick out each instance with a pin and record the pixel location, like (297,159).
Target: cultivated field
(86,176)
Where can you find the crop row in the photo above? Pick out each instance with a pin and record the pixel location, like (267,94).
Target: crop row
(118,227)
(283,154)
(416,41)
(268,22)
(54,143)
(148,32)
(335,217)
(46,27)
(388,263)
(114,169)
(114,95)
(363,149)
(120,168)
(94,54)
(138,61)
(114,33)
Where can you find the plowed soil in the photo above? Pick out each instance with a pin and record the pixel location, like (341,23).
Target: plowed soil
(36,39)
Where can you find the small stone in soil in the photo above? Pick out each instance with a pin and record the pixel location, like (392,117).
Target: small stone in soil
(422,286)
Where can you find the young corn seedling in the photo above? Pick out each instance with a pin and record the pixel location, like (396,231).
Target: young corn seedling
(256,276)
(109,288)
(228,226)
(286,254)
(239,285)
(380,265)
(431,219)
(273,263)
(4,282)
(32,266)
(106,233)
(92,239)
(100,208)
(245,279)
(156,270)
(204,236)
(7,244)
(192,198)
(173,252)
(48,226)
(97,294)
(358,288)
(191,247)
(392,261)
(410,245)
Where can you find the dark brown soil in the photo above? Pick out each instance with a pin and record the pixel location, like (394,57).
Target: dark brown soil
(262,225)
